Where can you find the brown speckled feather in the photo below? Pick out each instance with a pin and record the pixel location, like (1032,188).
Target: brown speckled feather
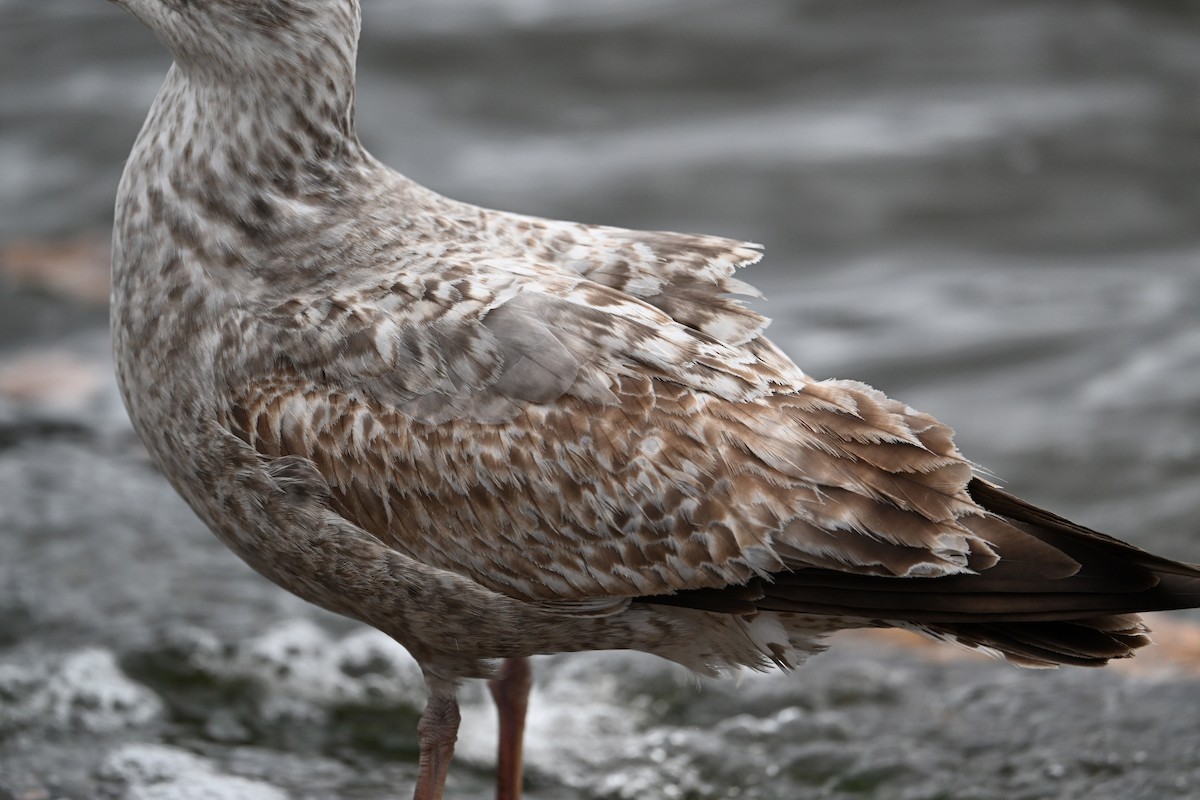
(492,436)
(557,440)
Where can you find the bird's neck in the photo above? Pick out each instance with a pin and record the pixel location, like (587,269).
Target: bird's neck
(230,181)
(291,134)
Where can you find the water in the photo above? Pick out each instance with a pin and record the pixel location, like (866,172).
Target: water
(988,209)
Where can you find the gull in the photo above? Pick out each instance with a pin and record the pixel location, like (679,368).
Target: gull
(493,436)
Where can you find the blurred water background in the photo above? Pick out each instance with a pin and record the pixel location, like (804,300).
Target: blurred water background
(988,208)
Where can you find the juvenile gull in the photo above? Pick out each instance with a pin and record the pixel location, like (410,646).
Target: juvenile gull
(492,436)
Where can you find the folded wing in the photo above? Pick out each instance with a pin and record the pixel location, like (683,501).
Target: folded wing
(602,424)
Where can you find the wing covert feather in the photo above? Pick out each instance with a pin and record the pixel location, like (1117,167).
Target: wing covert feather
(573,431)
(661,491)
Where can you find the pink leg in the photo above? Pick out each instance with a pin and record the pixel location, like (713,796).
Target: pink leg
(510,690)
(437,731)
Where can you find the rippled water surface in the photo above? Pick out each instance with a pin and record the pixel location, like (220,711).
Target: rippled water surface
(989,209)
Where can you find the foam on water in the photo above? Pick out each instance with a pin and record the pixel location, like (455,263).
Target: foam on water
(84,691)
(160,772)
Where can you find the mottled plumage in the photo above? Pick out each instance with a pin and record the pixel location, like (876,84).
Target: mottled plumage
(492,436)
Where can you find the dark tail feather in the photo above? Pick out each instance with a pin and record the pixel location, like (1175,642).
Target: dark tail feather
(1083,642)
(1026,607)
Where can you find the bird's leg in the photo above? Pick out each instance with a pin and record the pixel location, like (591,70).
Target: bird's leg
(437,731)
(510,690)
